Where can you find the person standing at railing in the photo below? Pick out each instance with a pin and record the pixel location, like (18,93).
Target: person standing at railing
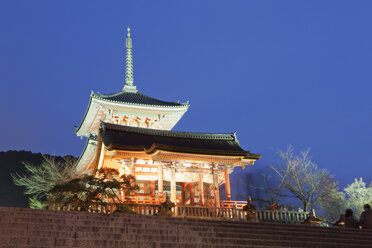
(350,221)
(366,217)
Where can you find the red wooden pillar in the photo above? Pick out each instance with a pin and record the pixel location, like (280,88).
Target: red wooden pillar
(160,183)
(227,185)
(133,172)
(153,192)
(216,189)
(173,186)
(192,191)
(201,190)
(183,194)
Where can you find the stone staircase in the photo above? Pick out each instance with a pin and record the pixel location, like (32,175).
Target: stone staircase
(21,228)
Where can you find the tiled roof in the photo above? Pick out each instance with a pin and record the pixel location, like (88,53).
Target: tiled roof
(137,98)
(118,136)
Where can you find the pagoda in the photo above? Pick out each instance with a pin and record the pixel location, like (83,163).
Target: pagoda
(131,132)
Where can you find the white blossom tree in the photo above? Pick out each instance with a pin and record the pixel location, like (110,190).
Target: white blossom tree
(354,196)
(357,194)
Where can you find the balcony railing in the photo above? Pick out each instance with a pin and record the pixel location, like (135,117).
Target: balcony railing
(220,213)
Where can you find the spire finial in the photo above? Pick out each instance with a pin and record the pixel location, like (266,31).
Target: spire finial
(129,87)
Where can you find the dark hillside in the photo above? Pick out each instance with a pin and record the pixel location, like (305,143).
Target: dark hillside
(10,163)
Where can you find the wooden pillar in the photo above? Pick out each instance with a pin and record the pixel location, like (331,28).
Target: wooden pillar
(216,189)
(101,157)
(183,194)
(173,186)
(227,185)
(201,190)
(133,172)
(153,200)
(192,194)
(160,183)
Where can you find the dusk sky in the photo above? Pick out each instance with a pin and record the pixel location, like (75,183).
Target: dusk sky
(276,72)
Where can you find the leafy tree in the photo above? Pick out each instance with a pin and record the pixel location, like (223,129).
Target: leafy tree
(39,180)
(37,204)
(302,178)
(102,189)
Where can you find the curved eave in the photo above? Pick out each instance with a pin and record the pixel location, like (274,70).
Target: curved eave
(85,115)
(167,133)
(253,156)
(181,106)
(88,154)
(159,147)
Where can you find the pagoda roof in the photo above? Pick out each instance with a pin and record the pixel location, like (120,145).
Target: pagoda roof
(137,98)
(137,139)
(132,101)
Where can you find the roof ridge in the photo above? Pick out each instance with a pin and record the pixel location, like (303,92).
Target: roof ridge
(140,94)
(177,134)
(157,99)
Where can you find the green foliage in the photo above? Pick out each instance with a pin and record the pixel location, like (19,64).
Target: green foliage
(39,180)
(102,189)
(11,163)
(36,204)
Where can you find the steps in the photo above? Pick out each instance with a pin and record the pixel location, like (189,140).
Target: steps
(21,227)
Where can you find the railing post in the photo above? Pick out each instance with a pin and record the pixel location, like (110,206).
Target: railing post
(175,211)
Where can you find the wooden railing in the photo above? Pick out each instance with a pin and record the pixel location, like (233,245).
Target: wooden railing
(233,204)
(144,200)
(234,214)
(294,217)
(109,208)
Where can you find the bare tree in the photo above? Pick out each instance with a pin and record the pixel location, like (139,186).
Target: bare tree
(302,178)
(39,180)
(272,189)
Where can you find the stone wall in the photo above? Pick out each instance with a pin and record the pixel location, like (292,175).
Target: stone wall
(21,228)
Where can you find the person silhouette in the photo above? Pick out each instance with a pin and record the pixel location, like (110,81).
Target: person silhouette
(366,217)
(350,221)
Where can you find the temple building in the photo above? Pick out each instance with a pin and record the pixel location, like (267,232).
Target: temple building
(131,132)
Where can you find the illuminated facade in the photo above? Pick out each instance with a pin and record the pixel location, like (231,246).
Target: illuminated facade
(131,132)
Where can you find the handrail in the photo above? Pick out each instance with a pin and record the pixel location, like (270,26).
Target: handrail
(294,217)
(232,204)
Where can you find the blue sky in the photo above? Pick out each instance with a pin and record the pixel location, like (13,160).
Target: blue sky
(277,72)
